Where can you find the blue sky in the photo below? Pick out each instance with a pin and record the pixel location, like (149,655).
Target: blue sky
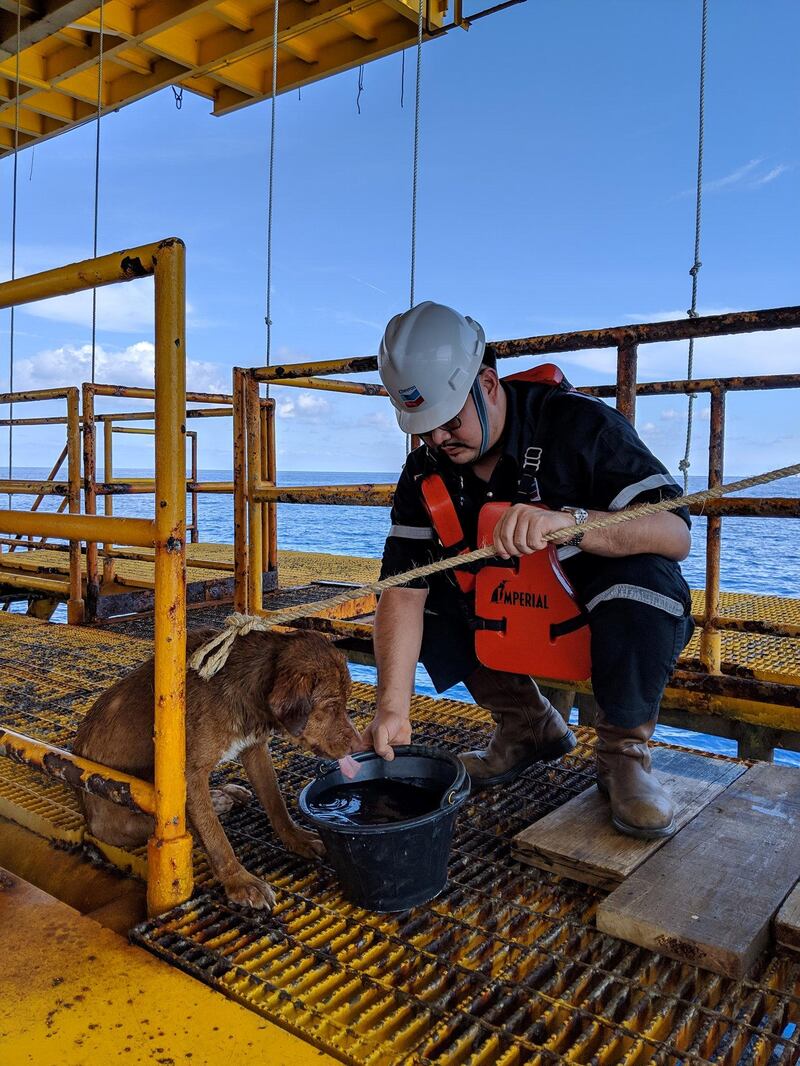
(558,154)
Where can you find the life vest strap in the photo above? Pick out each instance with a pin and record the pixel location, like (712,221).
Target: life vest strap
(570,625)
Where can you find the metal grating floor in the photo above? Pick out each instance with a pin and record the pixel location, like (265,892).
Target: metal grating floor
(215,616)
(506,968)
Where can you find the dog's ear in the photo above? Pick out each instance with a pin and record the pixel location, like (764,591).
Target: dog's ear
(290,701)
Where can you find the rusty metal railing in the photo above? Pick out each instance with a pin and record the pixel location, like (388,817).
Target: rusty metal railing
(703,689)
(70,490)
(170,847)
(109,487)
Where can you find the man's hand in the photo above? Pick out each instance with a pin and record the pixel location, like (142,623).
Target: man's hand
(385,729)
(522,529)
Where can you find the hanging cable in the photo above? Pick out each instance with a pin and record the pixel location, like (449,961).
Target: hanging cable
(415,174)
(13,255)
(97,178)
(685,463)
(402,79)
(360,87)
(268,318)
(416,157)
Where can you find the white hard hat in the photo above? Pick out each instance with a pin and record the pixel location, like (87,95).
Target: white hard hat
(428,360)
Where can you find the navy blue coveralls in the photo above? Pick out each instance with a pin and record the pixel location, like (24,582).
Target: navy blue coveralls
(559,448)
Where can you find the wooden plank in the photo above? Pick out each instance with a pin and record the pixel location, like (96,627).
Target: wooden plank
(787,922)
(579,841)
(709,895)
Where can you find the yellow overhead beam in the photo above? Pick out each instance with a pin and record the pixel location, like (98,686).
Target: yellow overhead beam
(221,49)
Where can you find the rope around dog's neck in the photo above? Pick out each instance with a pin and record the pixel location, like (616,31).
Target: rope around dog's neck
(212,656)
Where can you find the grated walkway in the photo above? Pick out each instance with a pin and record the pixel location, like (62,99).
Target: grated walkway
(506,968)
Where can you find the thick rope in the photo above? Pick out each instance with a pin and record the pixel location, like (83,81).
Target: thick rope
(97,178)
(212,656)
(415,173)
(685,463)
(268,317)
(13,257)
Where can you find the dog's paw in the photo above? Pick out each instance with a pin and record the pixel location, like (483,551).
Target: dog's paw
(220,801)
(247,890)
(304,842)
(238,793)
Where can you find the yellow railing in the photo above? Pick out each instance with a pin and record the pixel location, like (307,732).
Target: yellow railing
(170,848)
(71,490)
(700,687)
(92,488)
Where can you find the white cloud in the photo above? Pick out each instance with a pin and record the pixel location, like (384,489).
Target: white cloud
(670,415)
(120,308)
(313,404)
(733,178)
(127,308)
(306,408)
(772,175)
(743,176)
(133,365)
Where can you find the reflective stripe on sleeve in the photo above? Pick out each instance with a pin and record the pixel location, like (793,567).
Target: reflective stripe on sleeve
(567,552)
(641,595)
(655,481)
(412,532)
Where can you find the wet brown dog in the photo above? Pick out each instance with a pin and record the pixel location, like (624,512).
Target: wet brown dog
(294,683)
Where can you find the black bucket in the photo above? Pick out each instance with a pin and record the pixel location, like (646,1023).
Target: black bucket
(395,866)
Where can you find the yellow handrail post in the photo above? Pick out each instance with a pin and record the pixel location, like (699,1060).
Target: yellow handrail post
(254,506)
(90,497)
(240,553)
(195,527)
(710,635)
(269,512)
(271,470)
(169,850)
(108,499)
(75,607)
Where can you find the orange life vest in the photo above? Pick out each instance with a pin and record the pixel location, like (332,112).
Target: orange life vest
(527,617)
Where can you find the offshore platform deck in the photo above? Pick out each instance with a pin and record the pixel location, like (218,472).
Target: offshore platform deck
(509,966)
(42,574)
(505,967)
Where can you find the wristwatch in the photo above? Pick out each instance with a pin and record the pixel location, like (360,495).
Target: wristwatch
(581,516)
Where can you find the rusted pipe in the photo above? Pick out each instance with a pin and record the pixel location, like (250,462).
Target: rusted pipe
(367,495)
(88,776)
(240,554)
(626,381)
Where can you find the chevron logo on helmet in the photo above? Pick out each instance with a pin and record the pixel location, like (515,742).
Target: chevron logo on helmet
(411,396)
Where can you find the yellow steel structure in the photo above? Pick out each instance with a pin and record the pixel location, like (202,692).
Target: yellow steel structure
(93,488)
(169,850)
(757,690)
(505,968)
(71,489)
(99,999)
(220,49)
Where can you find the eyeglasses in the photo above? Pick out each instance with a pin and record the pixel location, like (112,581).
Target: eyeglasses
(449,427)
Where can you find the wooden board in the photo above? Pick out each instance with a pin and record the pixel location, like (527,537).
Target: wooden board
(708,896)
(787,922)
(579,841)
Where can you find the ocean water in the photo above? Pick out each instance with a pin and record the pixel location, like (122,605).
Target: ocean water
(759,556)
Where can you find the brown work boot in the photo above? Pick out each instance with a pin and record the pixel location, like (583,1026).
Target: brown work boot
(528,730)
(640,805)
